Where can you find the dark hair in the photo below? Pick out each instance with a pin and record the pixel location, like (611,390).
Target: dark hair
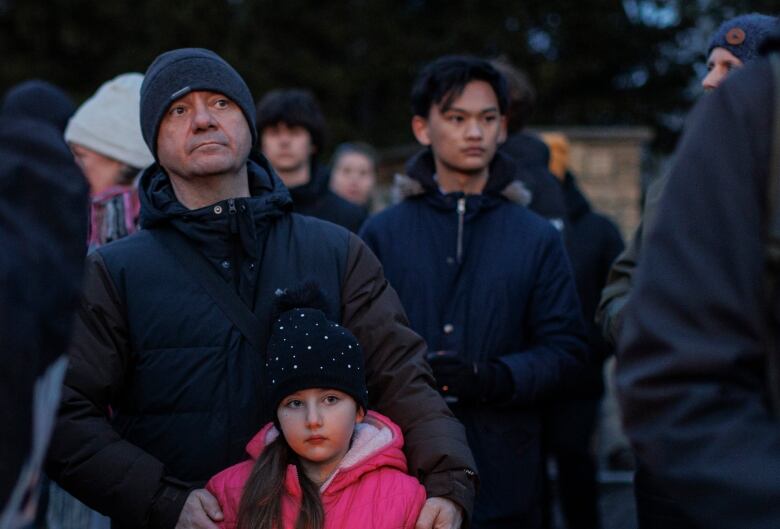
(295,108)
(522,95)
(261,501)
(441,81)
(354,147)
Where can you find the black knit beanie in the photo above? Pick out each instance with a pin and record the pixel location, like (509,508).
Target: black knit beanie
(176,73)
(306,350)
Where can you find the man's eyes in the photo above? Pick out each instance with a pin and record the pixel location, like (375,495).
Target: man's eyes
(177,110)
(222,103)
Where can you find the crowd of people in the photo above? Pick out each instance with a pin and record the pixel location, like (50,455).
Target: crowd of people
(216,328)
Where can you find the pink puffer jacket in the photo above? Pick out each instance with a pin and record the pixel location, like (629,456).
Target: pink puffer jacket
(369,490)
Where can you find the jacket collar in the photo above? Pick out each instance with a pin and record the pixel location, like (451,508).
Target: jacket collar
(377,442)
(502,184)
(313,189)
(159,205)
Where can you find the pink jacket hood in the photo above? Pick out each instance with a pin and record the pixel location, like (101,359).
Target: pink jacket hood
(370,487)
(378,442)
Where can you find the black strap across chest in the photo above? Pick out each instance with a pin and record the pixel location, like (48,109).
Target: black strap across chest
(228,300)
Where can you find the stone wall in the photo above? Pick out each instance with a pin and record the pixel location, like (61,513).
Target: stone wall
(608,164)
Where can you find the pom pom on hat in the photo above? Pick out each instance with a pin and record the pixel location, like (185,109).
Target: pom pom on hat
(307,350)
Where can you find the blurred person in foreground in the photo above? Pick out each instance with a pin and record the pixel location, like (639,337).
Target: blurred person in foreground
(291,130)
(353,173)
(484,280)
(40,100)
(698,357)
(592,242)
(163,388)
(656,506)
(43,207)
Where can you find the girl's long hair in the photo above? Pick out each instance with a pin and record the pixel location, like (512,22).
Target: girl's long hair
(261,501)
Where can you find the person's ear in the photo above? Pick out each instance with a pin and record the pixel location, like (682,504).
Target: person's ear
(502,132)
(420,130)
(360,414)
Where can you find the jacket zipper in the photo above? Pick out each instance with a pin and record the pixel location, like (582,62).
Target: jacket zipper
(232,211)
(461,215)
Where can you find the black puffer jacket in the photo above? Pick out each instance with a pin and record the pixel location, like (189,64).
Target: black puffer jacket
(180,382)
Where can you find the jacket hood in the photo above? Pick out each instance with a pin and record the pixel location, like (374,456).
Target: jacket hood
(159,204)
(502,180)
(313,189)
(377,443)
(576,203)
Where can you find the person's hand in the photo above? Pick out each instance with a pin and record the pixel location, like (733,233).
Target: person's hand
(200,511)
(455,377)
(440,513)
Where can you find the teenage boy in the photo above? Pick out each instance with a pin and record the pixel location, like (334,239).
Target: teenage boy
(484,280)
(292,132)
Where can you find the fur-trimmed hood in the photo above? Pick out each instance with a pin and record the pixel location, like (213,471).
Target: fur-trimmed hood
(502,182)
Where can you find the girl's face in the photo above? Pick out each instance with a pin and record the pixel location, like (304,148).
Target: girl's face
(318,424)
(353,177)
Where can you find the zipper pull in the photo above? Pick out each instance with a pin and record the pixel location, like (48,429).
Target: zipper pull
(233,217)
(462,206)
(461,214)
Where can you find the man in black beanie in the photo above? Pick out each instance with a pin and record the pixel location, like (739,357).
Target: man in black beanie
(165,383)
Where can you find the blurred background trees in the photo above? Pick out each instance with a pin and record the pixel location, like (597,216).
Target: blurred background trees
(594,62)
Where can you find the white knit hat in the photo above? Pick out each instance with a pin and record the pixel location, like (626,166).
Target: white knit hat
(109,122)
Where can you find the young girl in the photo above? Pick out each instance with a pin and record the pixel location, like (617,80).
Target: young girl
(324,462)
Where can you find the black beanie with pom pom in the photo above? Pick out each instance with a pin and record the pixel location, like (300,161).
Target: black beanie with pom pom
(306,350)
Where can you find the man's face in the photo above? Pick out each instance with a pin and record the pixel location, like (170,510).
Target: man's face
(203,134)
(288,148)
(465,136)
(720,63)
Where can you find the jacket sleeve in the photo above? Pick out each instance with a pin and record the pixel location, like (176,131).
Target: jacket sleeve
(620,279)
(87,456)
(691,375)
(557,354)
(400,383)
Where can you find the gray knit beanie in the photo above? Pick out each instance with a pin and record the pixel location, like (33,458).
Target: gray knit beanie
(743,35)
(176,73)
(108,122)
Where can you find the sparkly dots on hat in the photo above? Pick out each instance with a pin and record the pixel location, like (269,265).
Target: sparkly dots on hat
(304,352)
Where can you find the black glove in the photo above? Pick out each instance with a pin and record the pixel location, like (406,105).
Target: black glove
(470,382)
